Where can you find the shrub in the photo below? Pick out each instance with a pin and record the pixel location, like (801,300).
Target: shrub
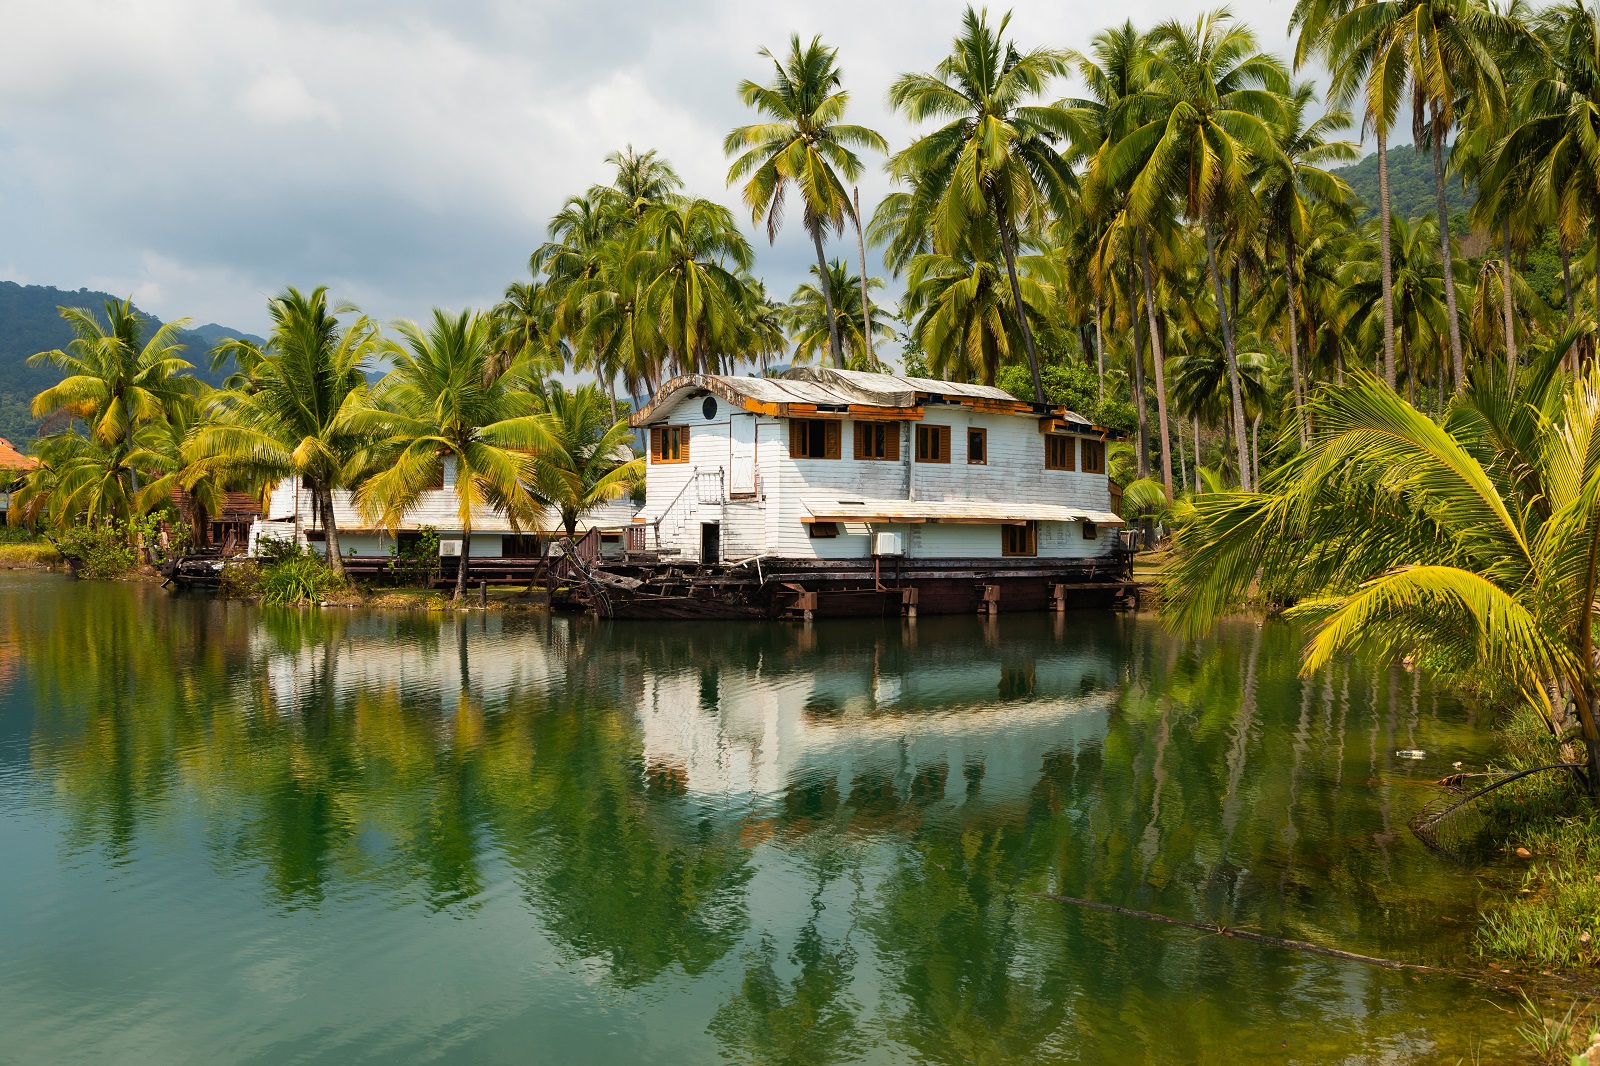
(293,574)
(240,579)
(106,549)
(418,564)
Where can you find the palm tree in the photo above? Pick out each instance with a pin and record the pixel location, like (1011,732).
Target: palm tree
(1561,129)
(1211,100)
(117,380)
(1420,306)
(1323,32)
(1473,545)
(960,311)
(586,459)
(803,143)
(684,263)
(1290,190)
(439,405)
(293,415)
(806,317)
(995,155)
(1444,50)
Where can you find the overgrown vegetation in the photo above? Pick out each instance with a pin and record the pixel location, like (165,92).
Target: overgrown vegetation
(109,548)
(291,573)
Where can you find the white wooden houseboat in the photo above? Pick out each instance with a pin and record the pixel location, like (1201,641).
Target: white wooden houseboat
(838,492)
(498,553)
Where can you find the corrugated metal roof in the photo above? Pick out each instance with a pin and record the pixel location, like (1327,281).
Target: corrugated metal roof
(996,511)
(11,459)
(826,387)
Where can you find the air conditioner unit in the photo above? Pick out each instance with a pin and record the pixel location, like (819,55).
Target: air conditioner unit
(450,548)
(889,544)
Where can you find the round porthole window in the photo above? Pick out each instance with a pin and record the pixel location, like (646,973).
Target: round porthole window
(709,408)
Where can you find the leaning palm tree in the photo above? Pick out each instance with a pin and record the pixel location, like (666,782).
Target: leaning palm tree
(292,415)
(587,458)
(807,317)
(438,407)
(995,155)
(1472,545)
(117,379)
(803,143)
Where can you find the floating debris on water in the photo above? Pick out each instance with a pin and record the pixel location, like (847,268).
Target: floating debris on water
(1410,753)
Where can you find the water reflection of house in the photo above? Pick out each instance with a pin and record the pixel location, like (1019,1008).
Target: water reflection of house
(926,723)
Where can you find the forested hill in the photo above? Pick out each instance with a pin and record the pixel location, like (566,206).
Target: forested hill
(31,322)
(1411,192)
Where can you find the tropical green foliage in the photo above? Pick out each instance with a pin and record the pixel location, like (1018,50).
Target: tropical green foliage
(1468,544)
(587,457)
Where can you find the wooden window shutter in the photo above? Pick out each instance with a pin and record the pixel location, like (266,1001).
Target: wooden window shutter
(683,444)
(655,444)
(861,440)
(796,429)
(891,442)
(831,440)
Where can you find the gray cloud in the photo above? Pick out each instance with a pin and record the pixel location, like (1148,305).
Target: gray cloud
(204,153)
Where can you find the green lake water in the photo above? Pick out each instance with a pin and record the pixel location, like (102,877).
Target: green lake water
(231,834)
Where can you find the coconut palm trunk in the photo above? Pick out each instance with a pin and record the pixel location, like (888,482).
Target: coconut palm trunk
(330,529)
(1457,360)
(1158,358)
(1100,349)
(866,304)
(1507,297)
(1385,255)
(464,564)
(826,285)
(1138,389)
(1008,244)
(1241,441)
(1294,342)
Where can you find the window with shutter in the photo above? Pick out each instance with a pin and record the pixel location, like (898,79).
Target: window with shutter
(1020,539)
(813,438)
(933,444)
(877,440)
(669,444)
(1094,457)
(1059,453)
(977,447)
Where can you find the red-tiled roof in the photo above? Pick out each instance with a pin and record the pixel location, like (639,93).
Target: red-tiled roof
(11,459)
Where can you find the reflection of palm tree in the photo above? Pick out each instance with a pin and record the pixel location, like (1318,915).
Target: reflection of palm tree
(811,1018)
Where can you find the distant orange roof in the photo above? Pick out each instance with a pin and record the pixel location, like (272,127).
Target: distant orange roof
(11,459)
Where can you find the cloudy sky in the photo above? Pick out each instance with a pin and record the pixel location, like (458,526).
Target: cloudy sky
(202,154)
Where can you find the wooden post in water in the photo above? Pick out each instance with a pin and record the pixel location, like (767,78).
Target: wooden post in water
(483,592)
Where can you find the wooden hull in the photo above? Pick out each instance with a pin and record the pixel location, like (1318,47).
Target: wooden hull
(807,589)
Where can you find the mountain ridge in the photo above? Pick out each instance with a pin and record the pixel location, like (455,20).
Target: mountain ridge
(31,322)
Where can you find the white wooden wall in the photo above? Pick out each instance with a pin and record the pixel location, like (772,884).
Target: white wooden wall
(773,523)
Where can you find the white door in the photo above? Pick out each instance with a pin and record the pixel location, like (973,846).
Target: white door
(742,472)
